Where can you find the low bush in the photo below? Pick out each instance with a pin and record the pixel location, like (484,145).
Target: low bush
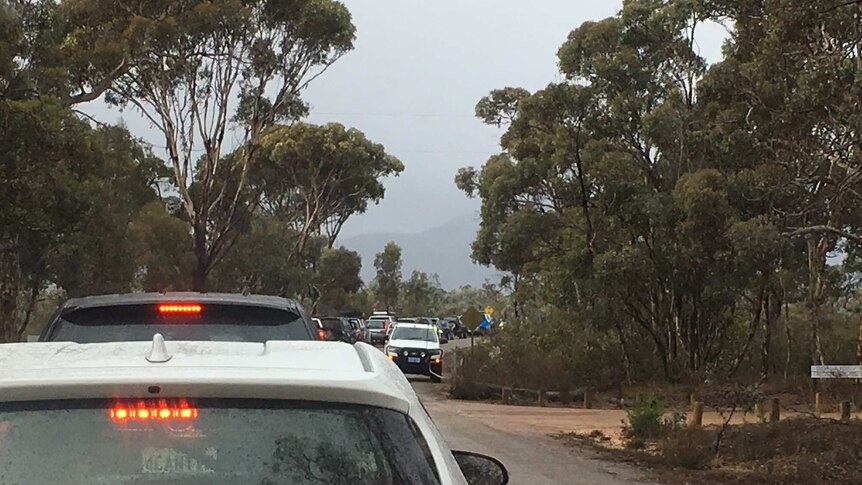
(799,451)
(691,448)
(644,418)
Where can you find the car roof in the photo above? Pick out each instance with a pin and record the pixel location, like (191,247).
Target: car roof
(267,301)
(412,325)
(300,370)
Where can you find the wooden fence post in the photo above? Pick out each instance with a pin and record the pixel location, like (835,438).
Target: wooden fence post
(692,399)
(818,404)
(697,414)
(588,401)
(775,411)
(845,410)
(507,395)
(543,398)
(455,366)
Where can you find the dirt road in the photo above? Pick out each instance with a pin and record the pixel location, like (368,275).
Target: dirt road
(519,437)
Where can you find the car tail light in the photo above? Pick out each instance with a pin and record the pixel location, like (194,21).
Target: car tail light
(321,334)
(180,308)
(152,410)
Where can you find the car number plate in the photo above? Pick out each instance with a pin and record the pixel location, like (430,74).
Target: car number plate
(413,360)
(168,461)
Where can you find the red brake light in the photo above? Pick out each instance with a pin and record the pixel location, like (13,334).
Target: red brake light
(321,334)
(180,308)
(146,411)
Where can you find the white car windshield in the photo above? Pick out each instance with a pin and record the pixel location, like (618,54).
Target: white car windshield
(415,333)
(255,442)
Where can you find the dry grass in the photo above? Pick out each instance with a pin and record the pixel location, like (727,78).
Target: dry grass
(804,451)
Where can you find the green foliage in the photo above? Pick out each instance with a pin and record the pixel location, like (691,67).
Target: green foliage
(100,257)
(457,301)
(501,106)
(644,418)
(163,249)
(264,261)
(67,196)
(181,64)
(261,260)
(388,280)
(80,208)
(420,294)
(677,208)
(317,177)
(336,278)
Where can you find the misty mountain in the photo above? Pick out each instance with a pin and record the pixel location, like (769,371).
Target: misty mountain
(444,250)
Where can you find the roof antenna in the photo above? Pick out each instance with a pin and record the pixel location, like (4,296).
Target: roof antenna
(159,352)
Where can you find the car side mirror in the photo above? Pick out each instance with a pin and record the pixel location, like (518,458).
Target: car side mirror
(481,469)
(386,338)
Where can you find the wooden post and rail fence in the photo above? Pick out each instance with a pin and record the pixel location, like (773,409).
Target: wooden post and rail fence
(768,411)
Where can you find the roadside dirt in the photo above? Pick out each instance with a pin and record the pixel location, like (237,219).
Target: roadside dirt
(520,438)
(548,421)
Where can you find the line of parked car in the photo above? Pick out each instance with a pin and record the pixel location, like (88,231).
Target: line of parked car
(412,343)
(197,388)
(380,325)
(344,329)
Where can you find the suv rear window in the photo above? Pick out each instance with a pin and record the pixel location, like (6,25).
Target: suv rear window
(332,324)
(375,324)
(232,323)
(257,442)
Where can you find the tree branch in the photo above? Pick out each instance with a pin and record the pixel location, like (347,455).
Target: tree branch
(101,86)
(803,231)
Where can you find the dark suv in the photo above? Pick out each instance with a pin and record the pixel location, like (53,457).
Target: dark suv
(338,328)
(179,316)
(359,329)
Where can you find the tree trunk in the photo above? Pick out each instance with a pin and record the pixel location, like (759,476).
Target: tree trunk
(8,313)
(773,306)
(9,293)
(859,344)
(199,278)
(817,250)
(789,336)
(627,361)
(816,345)
(752,330)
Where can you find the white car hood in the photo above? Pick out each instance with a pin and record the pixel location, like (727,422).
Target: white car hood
(414,344)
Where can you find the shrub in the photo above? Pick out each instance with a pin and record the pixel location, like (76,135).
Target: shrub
(691,448)
(675,421)
(644,418)
(469,390)
(636,443)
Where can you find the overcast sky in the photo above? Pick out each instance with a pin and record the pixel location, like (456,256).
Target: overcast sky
(417,71)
